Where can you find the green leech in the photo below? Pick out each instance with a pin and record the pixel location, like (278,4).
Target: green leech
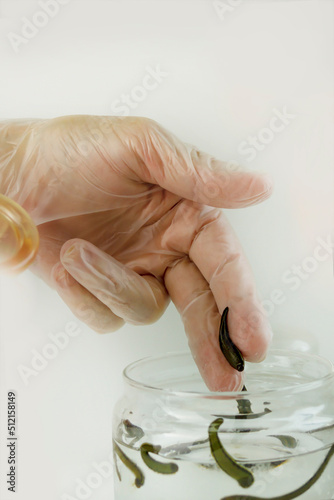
(145,449)
(139,481)
(244,405)
(287,441)
(116,465)
(224,460)
(230,351)
(245,410)
(295,493)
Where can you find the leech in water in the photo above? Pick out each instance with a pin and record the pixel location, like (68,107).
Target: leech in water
(295,493)
(244,405)
(184,448)
(139,481)
(168,468)
(245,410)
(247,416)
(287,441)
(133,431)
(116,465)
(230,351)
(224,460)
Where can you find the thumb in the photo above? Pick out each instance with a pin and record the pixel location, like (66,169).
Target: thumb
(192,174)
(103,292)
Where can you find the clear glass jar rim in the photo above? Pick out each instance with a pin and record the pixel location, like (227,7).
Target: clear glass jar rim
(290,389)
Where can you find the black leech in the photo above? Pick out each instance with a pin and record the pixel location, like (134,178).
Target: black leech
(230,351)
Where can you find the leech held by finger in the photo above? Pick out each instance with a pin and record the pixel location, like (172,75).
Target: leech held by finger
(230,351)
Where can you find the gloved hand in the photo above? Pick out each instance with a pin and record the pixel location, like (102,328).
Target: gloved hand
(129,216)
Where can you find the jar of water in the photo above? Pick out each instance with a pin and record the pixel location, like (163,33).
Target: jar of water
(174,439)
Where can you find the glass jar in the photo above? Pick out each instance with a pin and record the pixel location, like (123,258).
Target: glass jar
(174,439)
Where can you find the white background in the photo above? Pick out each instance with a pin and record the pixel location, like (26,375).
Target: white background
(226,74)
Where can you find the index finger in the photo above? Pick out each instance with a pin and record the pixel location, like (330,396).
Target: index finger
(218,275)
(232,283)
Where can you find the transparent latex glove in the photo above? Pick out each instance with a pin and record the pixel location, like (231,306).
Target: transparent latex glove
(129,217)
